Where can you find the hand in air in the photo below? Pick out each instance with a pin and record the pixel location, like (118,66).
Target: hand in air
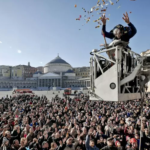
(126,18)
(103,19)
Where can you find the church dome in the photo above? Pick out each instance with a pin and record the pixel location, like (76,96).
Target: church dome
(38,72)
(57,65)
(57,60)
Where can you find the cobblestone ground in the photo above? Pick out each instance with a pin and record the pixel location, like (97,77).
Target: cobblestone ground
(49,94)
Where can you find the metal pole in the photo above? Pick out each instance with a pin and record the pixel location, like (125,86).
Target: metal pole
(142,102)
(105,40)
(95,69)
(106,45)
(118,68)
(91,73)
(92,76)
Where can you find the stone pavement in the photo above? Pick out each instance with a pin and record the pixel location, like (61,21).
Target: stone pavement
(4,93)
(48,94)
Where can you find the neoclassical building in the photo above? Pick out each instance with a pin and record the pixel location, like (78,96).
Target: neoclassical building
(18,84)
(57,73)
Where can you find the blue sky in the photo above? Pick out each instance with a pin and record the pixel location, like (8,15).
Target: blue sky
(37,30)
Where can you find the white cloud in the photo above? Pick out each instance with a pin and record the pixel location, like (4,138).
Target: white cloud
(19,51)
(0,42)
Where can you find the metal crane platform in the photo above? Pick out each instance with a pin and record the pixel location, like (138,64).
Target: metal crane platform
(121,77)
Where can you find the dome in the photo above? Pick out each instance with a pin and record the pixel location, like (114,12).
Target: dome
(69,71)
(38,72)
(57,65)
(57,60)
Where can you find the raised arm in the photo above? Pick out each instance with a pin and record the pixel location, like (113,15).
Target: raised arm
(107,34)
(104,32)
(87,142)
(133,30)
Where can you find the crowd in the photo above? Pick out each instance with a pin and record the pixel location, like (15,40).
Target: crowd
(33,123)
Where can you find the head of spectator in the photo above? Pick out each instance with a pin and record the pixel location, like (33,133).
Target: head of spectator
(118,144)
(45,145)
(16,144)
(5,142)
(134,143)
(110,142)
(69,141)
(53,146)
(7,134)
(23,142)
(146,131)
(92,143)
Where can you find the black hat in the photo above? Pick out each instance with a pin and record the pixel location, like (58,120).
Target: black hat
(110,139)
(119,26)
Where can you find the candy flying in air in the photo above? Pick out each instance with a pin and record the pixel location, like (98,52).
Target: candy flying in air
(77,18)
(103,10)
(97,26)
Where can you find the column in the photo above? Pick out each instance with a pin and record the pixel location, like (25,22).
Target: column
(50,82)
(57,82)
(38,82)
(45,80)
(42,82)
(61,79)
(54,82)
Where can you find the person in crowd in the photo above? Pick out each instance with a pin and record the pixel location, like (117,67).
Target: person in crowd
(90,143)
(15,145)
(23,144)
(6,144)
(109,145)
(30,122)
